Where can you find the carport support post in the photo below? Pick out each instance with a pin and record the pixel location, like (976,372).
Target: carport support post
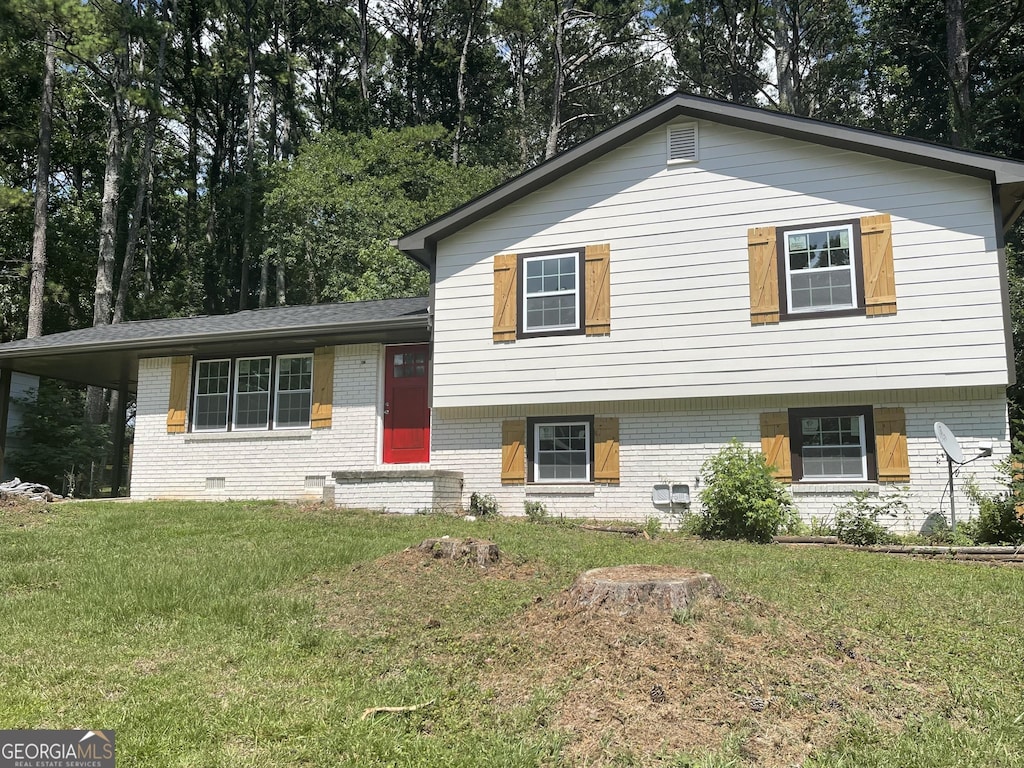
(116,479)
(5,407)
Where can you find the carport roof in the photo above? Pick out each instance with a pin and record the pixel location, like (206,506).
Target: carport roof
(109,355)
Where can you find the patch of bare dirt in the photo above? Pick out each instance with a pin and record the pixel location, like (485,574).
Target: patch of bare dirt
(728,672)
(19,512)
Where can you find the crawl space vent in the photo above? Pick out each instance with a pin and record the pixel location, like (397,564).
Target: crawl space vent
(215,483)
(682,143)
(315,482)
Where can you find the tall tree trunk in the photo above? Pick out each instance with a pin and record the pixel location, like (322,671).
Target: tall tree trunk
(142,188)
(250,149)
(520,75)
(104,292)
(958,71)
(784,56)
(364,52)
(38,282)
(460,84)
(558,80)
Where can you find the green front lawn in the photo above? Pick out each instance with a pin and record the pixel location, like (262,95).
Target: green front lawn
(244,634)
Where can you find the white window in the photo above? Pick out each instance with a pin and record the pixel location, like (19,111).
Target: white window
(294,391)
(551,293)
(820,268)
(561,452)
(252,393)
(213,385)
(237,393)
(833,447)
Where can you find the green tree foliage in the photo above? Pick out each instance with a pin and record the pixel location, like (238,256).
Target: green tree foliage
(335,209)
(61,449)
(740,498)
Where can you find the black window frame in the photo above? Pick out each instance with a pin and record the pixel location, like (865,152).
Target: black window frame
(232,393)
(856,259)
(581,302)
(532,422)
(796,441)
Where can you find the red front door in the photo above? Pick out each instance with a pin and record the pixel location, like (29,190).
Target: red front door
(406,415)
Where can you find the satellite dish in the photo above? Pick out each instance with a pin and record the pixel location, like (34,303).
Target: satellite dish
(949,443)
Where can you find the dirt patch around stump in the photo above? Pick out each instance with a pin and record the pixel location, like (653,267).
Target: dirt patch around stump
(729,673)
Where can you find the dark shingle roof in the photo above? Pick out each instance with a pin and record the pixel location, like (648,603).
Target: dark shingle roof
(108,355)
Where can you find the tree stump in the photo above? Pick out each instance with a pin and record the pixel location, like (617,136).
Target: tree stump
(629,588)
(482,551)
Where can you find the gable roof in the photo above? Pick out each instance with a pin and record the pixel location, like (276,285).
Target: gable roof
(108,355)
(1006,175)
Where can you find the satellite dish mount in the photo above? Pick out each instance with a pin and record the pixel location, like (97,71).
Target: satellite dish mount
(954,455)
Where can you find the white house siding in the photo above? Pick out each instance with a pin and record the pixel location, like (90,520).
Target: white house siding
(680,298)
(279,464)
(669,440)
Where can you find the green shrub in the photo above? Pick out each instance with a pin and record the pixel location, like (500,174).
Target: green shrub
(483,505)
(857,520)
(535,510)
(998,520)
(740,498)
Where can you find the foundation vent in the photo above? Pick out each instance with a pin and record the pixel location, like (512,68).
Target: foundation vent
(315,482)
(215,483)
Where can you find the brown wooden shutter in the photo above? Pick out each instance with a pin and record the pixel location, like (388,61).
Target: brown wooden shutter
(177,403)
(891,445)
(513,451)
(775,444)
(606,450)
(876,256)
(598,290)
(323,388)
(505,265)
(764,275)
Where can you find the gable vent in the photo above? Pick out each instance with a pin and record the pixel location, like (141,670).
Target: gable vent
(682,143)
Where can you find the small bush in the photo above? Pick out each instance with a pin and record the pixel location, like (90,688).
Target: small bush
(535,510)
(857,519)
(1000,517)
(741,499)
(483,505)
(652,526)
(997,521)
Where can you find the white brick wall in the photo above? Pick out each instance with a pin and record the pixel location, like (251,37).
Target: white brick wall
(270,464)
(394,493)
(668,441)
(660,441)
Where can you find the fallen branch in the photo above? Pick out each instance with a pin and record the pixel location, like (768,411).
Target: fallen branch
(396,710)
(613,529)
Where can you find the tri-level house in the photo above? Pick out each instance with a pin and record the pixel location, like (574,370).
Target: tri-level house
(602,324)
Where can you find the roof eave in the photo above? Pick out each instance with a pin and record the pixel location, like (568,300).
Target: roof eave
(220,337)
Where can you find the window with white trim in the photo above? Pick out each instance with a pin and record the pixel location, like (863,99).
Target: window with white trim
(820,268)
(560,451)
(833,444)
(236,394)
(252,393)
(212,390)
(551,294)
(294,391)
